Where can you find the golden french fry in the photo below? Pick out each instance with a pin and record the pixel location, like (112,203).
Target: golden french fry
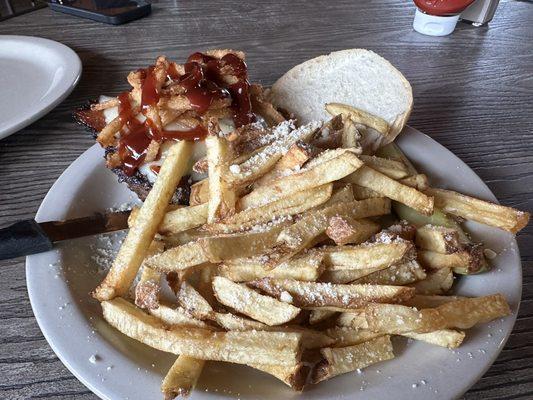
(149,285)
(449,338)
(237,245)
(231,322)
(438,238)
(292,161)
(250,347)
(398,274)
(392,168)
(360,117)
(294,376)
(470,260)
(176,316)
(354,319)
(438,218)
(318,294)
(193,302)
(418,181)
(183,219)
(484,212)
(372,179)
(366,256)
(182,377)
(363,193)
(346,230)
(248,302)
(179,258)
(307,267)
(436,282)
(283,208)
(430,301)
(329,166)
(265,159)
(348,337)
(462,314)
(135,246)
(261,106)
(346,359)
(221,197)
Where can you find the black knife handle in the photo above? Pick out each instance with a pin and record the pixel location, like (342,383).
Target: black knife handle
(23,238)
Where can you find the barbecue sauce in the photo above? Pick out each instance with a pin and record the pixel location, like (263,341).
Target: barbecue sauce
(204,84)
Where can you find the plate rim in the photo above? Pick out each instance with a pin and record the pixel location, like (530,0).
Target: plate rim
(95,388)
(65,87)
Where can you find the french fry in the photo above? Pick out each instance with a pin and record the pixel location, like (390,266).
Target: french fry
(295,376)
(248,302)
(484,212)
(354,319)
(348,337)
(345,336)
(262,162)
(398,274)
(438,218)
(360,117)
(231,322)
(392,168)
(250,347)
(285,207)
(314,223)
(449,338)
(460,314)
(261,106)
(436,282)
(149,285)
(346,359)
(183,219)
(297,155)
(176,316)
(372,179)
(346,275)
(329,166)
(237,245)
(470,260)
(363,193)
(317,294)
(135,246)
(366,256)
(438,239)
(307,267)
(179,258)
(222,198)
(430,301)
(345,230)
(182,377)
(418,181)
(193,302)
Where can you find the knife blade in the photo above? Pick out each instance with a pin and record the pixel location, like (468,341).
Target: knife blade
(29,237)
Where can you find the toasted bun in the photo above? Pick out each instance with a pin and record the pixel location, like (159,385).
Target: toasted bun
(357,78)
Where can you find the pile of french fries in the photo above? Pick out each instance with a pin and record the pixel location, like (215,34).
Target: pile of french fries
(299,258)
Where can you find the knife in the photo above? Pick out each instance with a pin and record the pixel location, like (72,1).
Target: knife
(29,237)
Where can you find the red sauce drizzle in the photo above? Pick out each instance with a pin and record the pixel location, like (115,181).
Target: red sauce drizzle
(134,139)
(203,83)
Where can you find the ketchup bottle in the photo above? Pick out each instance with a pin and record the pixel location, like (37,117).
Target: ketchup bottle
(438,17)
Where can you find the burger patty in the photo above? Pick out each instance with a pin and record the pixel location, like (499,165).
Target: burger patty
(93,122)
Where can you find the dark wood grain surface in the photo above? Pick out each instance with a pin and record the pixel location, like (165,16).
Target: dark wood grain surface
(473,93)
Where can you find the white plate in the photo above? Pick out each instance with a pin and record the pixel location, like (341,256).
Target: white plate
(59,283)
(35,76)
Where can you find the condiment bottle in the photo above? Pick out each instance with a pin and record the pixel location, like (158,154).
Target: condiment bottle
(438,17)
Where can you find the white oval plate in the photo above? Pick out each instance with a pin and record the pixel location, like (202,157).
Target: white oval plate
(59,283)
(36,75)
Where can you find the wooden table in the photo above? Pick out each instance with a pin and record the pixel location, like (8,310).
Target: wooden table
(473,93)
